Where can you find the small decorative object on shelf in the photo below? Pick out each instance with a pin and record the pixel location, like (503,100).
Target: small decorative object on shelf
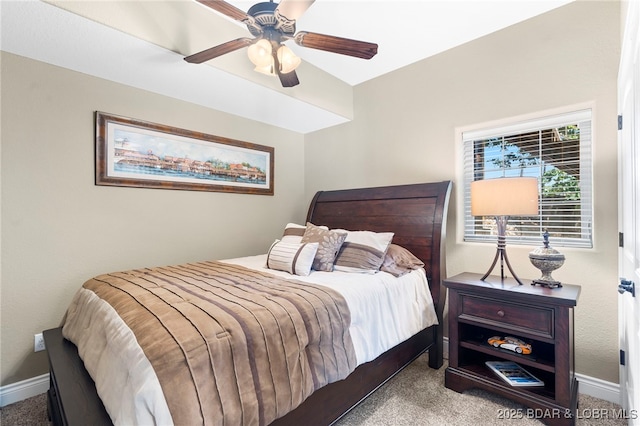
(511,343)
(547,260)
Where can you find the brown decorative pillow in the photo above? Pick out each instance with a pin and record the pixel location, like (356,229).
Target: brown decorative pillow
(363,251)
(398,261)
(329,243)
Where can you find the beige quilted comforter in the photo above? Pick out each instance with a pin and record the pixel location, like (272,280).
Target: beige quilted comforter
(228,344)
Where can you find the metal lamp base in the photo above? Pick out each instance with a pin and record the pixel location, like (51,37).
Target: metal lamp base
(547,283)
(501,252)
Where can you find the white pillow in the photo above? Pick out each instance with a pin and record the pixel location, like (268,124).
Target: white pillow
(293,258)
(362,251)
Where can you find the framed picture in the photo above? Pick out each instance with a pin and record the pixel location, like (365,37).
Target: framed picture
(137,153)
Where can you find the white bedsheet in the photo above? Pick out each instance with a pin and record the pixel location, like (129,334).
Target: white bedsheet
(385,310)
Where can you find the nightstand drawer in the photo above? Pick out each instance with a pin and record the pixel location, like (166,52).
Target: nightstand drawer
(520,318)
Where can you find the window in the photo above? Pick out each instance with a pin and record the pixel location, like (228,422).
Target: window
(556,150)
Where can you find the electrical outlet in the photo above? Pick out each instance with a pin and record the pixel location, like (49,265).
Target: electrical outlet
(38,342)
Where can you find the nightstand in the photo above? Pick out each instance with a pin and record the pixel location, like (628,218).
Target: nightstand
(540,316)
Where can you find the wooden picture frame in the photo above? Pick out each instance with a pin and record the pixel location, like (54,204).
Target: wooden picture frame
(136,153)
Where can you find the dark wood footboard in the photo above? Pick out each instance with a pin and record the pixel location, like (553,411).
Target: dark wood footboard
(72,398)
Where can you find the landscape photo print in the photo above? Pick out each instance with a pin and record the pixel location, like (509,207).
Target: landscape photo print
(137,153)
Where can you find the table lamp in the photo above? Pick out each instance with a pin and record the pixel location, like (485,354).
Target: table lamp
(501,198)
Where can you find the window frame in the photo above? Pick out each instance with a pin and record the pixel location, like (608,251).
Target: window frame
(583,114)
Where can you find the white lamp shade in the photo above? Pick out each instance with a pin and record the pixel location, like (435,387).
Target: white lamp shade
(267,69)
(517,196)
(260,53)
(288,60)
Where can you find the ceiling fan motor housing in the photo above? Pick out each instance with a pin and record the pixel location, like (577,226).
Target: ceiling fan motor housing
(265,15)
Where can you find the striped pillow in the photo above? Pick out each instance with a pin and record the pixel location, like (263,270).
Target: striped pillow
(362,251)
(293,232)
(293,258)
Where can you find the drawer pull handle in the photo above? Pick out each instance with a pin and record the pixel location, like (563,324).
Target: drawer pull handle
(501,313)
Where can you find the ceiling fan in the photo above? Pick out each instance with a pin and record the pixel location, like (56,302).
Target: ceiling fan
(271,24)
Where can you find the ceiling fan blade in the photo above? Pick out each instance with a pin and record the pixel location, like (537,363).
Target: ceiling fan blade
(293,9)
(289,79)
(214,52)
(233,12)
(343,46)
(226,9)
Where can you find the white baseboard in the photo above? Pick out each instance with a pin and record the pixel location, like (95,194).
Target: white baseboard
(598,388)
(15,392)
(18,391)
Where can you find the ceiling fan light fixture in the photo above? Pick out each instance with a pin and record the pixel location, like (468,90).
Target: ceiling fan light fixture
(266,69)
(272,24)
(260,53)
(288,60)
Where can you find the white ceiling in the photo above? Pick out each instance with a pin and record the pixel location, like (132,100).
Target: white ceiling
(142,43)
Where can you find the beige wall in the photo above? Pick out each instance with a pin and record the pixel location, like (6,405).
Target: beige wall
(59,229)
(405,131)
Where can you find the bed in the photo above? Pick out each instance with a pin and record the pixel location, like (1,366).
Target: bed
(415,214)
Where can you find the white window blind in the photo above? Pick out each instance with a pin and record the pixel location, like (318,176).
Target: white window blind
(555,149)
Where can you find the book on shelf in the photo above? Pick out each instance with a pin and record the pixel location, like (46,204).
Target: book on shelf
(513,373)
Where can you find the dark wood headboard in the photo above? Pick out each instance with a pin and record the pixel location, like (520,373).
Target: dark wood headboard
(415,213)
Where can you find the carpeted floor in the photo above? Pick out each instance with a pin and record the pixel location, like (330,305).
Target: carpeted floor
(30,412)
(416,396)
